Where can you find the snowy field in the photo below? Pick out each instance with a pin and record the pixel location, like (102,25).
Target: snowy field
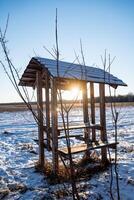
(19,152)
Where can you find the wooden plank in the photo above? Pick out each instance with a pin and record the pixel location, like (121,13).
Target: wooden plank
(27,83)
(35,66)
(84,147)
(70,136)
(31,70)
(28,78)
(47,111)
(28,72)
(103,120)
(54,126)
(40,119)
(81,126)
(85,111)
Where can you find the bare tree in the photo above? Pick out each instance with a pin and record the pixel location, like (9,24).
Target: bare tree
(115,114)
(66,124)
(12,72)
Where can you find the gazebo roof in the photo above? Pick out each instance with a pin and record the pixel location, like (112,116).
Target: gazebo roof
(67,71)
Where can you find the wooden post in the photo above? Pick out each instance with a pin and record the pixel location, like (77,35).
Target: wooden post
(40,119)
(47,110)
(92,103)
(103,120)
(54,127)
(85,110)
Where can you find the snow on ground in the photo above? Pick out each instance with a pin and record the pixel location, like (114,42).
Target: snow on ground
(19,152)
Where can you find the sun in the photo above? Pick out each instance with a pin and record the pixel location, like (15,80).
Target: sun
(72,94)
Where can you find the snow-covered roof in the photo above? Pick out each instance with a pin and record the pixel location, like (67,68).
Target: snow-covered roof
(68,71)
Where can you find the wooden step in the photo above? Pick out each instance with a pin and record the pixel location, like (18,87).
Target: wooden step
(84,147)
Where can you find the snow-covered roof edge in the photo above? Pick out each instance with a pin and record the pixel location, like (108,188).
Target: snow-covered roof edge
(72,71)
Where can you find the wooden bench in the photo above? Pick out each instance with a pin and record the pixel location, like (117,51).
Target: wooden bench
(84,147)
(78,126)
(74,127)
(81,126)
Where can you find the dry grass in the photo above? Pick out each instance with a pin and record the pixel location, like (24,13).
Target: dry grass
(84,168)
(61,177)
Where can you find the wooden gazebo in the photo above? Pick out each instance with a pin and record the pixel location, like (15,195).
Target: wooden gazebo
(54,76)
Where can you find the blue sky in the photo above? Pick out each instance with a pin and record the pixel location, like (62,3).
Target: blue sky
(101,24)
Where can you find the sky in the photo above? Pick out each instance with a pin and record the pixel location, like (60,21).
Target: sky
(100,24)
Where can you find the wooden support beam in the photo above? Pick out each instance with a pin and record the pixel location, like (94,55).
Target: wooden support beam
(103,120)
(85,110)
(92,103)
(40,119)
(54,126)
(47,111)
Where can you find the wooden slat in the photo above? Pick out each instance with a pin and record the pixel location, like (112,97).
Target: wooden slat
(28,79)
(31,70)
(30,74)
(70,136)
(36,67)
(27,83)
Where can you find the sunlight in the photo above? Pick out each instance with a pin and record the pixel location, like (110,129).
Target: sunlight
(72,94)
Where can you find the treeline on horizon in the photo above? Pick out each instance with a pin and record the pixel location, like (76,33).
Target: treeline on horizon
(120,98)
